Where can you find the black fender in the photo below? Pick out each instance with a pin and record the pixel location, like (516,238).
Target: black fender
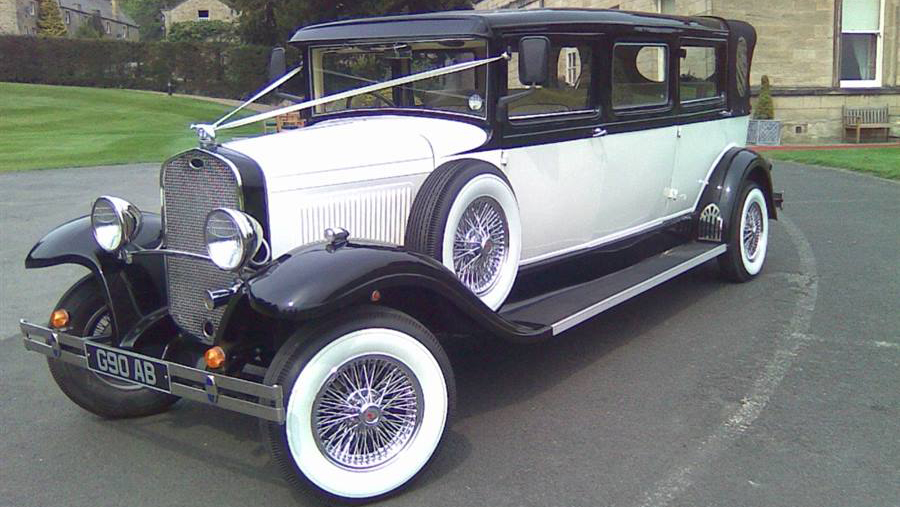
(133,291)
(320,279)
(736,166)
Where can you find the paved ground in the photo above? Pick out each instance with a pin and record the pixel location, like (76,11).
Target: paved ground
(784,391)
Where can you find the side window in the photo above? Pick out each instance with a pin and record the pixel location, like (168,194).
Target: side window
(567,89)
(699,74)
(640,75)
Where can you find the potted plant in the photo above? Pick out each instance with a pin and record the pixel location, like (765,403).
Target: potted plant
(764,129)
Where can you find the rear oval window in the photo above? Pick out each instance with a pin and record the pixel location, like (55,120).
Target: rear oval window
(743,67)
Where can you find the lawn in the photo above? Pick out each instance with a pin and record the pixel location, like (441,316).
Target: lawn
(884,162)
(43,127)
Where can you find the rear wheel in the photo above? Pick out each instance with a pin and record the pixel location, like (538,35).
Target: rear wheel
(100,394)
(748,235)
(368,399)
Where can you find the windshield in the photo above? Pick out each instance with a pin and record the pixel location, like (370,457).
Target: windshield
(337,69)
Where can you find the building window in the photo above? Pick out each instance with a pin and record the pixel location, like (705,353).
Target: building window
(108,27)
(125,32)
(68,17)
(572,66)
(665,6)
(203,15)
(862,23)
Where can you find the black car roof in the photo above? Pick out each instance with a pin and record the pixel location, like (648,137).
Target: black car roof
(488,23)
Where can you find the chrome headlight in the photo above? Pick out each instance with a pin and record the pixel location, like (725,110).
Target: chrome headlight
(232,238)
(114,222)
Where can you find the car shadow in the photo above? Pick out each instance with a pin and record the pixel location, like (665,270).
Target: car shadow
(490,374)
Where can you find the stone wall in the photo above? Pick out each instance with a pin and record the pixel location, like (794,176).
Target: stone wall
(8,23)
(819,118)
(187,11)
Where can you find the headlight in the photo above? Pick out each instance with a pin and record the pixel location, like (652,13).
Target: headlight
(115,222)
(232,238)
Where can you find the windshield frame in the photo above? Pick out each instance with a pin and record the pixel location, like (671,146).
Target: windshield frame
(483,116)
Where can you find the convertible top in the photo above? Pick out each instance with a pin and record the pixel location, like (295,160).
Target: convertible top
(491,23)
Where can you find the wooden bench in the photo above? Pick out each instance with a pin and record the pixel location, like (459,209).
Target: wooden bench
(285,121)
(859,118)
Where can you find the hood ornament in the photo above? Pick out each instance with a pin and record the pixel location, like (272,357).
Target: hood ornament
(205,133)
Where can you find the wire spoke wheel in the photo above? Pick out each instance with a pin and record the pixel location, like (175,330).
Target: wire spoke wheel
(367,411)
(481,245)
(753,230)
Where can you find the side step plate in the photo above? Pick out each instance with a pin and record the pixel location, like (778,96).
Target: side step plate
(569,307)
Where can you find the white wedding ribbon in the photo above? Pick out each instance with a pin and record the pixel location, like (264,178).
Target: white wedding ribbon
(207,133)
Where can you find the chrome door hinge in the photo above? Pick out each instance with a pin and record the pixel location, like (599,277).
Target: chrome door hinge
(671,193)
(504,159)
(599,132)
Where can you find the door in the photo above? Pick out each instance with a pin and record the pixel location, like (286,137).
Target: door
(639,147)
(706,129)
(551,163)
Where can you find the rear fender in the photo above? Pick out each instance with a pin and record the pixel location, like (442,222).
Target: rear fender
(736,166)
(132,291)
(320,279)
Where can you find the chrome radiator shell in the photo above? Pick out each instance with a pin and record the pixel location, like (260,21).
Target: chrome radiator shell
(193,184)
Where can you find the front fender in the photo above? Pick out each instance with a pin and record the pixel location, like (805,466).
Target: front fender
(319,279)
(132,291)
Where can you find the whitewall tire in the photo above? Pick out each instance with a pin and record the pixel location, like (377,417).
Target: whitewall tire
(367,404)
(466,216)
(748,235)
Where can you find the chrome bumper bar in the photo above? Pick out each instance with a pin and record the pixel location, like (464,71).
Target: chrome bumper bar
(184,382)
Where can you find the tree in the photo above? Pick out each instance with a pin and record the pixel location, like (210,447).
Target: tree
(50,21)
(92,29)
(202,31)
(271,22)
(148,15)
(765,108)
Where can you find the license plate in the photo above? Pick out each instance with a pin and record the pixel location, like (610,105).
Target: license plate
(128,366)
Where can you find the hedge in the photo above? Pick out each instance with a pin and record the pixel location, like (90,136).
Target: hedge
(197,68)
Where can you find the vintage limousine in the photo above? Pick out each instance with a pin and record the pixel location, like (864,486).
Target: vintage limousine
(505,174)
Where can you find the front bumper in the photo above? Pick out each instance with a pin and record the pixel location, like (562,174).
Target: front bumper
(230,393)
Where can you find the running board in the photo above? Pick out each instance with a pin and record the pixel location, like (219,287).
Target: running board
(566,308)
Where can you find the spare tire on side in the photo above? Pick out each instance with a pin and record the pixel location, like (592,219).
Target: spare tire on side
(466,216)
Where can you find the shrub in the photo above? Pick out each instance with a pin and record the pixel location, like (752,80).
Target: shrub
(765,108)
(199,68)
(203,31)
(50,23)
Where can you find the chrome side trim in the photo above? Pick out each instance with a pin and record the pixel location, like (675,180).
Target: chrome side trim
(709,226)
(634,290)
(185,382)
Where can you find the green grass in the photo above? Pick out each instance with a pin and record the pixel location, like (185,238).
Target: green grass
(884,162)
(43,127)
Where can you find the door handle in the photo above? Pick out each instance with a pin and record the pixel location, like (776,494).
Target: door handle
(599,132)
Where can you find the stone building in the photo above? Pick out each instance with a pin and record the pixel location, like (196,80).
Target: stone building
(199,10)
(820,55)
(19,17)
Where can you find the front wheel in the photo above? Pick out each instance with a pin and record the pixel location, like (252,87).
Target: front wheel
(368,398)
(104,396)
(748,235)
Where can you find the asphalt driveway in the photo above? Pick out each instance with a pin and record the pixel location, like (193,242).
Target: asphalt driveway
(783,391)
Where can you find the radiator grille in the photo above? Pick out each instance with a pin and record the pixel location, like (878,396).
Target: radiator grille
(379,214)
(189,194)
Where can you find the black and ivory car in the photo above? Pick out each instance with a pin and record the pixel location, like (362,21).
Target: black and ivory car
(502,174)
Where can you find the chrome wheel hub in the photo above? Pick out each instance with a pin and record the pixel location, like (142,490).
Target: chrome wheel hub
(367,411)
(752,231)
(481,245)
